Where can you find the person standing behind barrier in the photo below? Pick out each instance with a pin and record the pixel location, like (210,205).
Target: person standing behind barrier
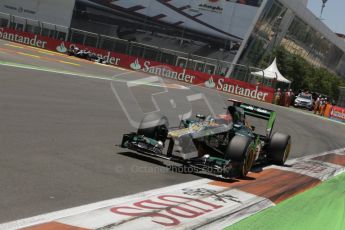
(328,108)
(317,105)
(292,98)
(287,98)
(321,106)
(325,104)
(277,97)
(282,98)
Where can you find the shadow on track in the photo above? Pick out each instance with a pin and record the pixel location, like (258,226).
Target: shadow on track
(183,169)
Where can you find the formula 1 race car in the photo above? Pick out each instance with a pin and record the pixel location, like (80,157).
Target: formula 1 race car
(224,145)
(85,54)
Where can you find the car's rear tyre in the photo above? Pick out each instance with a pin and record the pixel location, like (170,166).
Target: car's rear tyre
(279,148)
(155,126)
(241,152)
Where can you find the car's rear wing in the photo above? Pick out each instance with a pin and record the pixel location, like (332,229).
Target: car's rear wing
(261,113)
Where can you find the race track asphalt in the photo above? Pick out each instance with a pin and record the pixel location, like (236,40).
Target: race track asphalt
(60,119)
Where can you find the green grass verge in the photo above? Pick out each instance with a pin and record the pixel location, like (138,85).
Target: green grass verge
(321,208)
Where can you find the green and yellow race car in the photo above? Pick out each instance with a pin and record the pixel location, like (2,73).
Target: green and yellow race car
(225,145)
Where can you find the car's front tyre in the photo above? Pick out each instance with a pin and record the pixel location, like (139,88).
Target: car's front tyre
(241,152)
(155,126)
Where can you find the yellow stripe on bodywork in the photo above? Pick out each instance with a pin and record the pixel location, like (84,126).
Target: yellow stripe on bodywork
(179,132)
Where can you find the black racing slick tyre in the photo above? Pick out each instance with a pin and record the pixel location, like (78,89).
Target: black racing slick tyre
(279,148)
(155,126)
(241,152)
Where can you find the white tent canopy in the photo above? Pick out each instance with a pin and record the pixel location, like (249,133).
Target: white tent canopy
(272,72)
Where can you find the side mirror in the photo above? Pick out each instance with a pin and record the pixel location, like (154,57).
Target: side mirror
(200,116)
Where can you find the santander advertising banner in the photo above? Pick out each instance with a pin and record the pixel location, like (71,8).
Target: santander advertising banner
(258,92)
(337,113)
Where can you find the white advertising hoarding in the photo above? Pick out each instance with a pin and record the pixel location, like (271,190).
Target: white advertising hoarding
(57,12)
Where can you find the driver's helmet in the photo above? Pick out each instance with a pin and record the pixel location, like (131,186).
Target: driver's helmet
(237,114)
(241,114)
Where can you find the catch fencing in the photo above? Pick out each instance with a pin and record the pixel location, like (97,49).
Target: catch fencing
(140,50)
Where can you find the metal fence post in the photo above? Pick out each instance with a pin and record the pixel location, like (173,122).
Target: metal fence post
(159,55)
(98,40)
(25,25)
(12,22)
(144,50)
(217,67)
(187,63)
(41,27)
(129,48)
(71,35)
(84,39)
(114,46)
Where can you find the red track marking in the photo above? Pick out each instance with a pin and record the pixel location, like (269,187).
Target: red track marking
(274,184)
(16,45)
(41,51)
(52,53)
(54,226)
(41,57)
(6,50)
(332,158)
